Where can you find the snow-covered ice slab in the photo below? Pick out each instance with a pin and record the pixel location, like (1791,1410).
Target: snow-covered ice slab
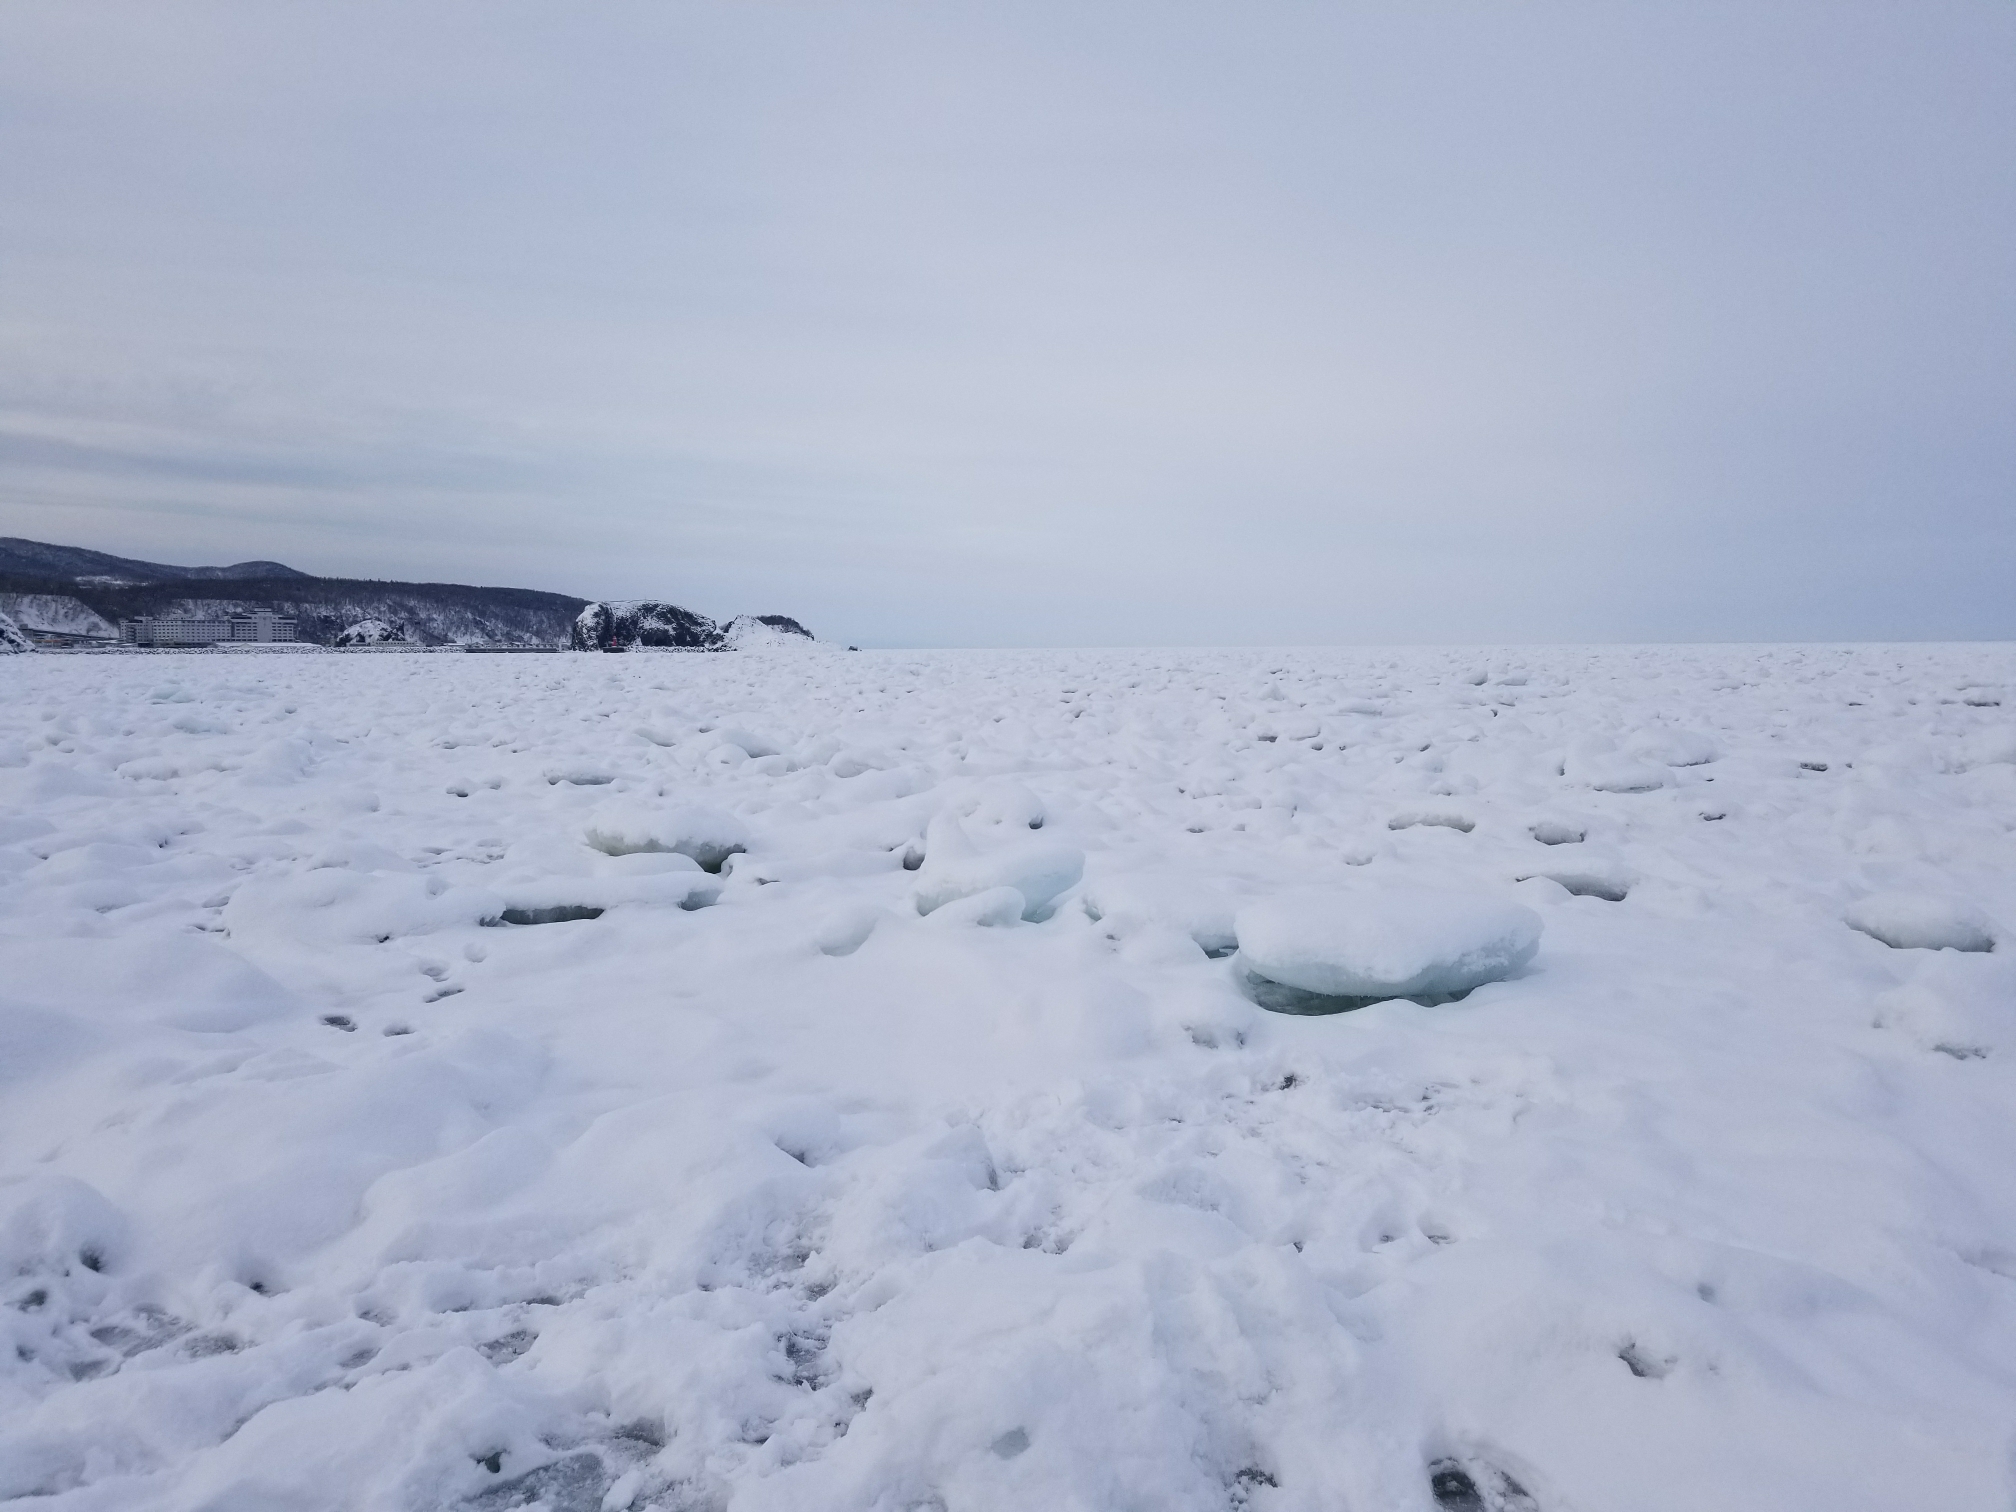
(1395,942)
(706,836)
(1915,921)
(954,867)
(927,1154)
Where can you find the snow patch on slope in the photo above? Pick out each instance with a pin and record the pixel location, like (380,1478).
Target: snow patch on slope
(55,612)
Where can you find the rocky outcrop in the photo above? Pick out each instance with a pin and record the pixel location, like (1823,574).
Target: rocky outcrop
(626,624)
(782,623)
(749,631)
(371,632)
(647,624)
(11,638)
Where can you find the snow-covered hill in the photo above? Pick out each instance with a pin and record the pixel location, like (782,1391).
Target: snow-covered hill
(45,559)
(60,612)
(51,583)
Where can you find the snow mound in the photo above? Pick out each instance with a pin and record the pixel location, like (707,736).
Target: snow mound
(175,980)
(1587,874)
(1195,908)
(954,868)
(1435,818)
(628,827)
(1609,771)
(1398,943)
(1953,1007)
(1676,748)
(11,638)
(995,908)
(1558,832)
(1989,748)
(48,1221)
(1001,802)
(747,742)
(1921,921)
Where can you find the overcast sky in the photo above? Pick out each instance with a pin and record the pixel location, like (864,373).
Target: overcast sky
(1015,323)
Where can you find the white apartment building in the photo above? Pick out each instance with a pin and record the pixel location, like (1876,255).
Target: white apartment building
(262,625)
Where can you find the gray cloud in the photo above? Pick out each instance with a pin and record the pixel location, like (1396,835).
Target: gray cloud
(1036,323)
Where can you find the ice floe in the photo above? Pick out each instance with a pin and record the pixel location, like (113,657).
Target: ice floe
(1386,943)
(1920,921)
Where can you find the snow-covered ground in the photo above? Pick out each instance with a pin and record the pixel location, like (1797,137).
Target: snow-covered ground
(321,1186)
(59,612)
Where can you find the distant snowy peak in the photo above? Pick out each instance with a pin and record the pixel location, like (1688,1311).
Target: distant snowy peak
(624,625)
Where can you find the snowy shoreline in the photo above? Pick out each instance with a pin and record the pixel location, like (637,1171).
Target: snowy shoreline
(795,1153)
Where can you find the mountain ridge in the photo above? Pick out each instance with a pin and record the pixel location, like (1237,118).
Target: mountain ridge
(21,557)
(115,588)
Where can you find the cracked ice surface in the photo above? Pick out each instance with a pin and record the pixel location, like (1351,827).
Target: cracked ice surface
(843,1177)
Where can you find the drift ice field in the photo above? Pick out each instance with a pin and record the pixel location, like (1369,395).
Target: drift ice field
(811,1080)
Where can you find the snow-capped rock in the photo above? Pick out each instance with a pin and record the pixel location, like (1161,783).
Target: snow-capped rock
(749,632)
(11,638)
(621,625)
(371,632)
(627,624)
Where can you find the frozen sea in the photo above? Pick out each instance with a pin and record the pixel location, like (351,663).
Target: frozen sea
(395,1114)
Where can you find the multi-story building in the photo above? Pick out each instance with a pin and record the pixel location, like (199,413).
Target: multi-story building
(262,625)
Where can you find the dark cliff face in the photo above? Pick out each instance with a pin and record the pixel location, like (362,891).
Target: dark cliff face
(643,622)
